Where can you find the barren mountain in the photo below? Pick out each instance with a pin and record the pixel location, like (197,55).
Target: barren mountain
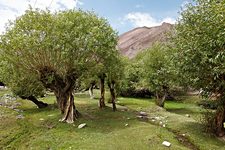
(134,41)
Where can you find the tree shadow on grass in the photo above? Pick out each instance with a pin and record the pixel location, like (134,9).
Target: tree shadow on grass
(97,120)
(183,111)
(197,132)
(35,110)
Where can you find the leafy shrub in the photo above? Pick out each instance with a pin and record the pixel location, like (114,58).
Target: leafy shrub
(208,104)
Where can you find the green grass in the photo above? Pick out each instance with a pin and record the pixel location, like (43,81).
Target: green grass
(105,129)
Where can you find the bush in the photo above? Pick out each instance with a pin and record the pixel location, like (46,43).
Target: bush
(208,122)
(208,104)
(136,93)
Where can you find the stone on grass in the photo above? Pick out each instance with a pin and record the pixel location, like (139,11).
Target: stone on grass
(157,118)
(166,143)
(164,126)
(187,115)
(142,113)
(82,125)
(126,124)
(142,117)
(19,117)
(17,110)
(41,119)
(139,117)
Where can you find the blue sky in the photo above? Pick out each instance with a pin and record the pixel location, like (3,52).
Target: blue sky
(123,15)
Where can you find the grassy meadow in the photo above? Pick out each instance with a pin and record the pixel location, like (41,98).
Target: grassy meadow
(179,123)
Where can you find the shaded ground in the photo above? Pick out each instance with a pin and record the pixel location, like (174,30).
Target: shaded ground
(106,130)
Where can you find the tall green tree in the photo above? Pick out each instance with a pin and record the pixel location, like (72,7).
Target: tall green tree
(199,41)
(158,73)
(114,73)
(58,47)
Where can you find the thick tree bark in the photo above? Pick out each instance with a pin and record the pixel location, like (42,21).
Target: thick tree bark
(111,86)
(161,96)
(63,89)
(102,90)
(66,104)
(160,100)
(40,104)
(219,121)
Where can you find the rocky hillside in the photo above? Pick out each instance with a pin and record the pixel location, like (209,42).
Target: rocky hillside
(134,41)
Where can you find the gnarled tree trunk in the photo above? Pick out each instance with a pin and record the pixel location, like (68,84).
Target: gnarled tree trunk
(160,100)
(63,89)
(111,86)
(65,101)
(102,90)
(32,98)
(161,96)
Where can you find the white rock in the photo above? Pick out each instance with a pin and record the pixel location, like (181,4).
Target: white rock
(166,143)
(82,125)
(157,118)
(126,124)
(183,134)
(140,117)
(142,113)
(187,115)
(41,119)
(164,126)
(19,116)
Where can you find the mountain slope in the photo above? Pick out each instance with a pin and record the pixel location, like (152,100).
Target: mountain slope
(134,41)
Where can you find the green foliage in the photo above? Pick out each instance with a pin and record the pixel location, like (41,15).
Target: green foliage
(131,85)
(58,46)
(158,72)
(199,41)
(21,84)
(133,74)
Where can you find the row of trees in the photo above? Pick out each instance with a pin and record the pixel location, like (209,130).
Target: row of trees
(59,51)
(193,57)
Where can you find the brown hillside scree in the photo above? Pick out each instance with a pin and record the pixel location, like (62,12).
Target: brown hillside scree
(134,41)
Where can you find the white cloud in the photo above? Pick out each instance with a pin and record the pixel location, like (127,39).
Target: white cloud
(139,19)
(9,9)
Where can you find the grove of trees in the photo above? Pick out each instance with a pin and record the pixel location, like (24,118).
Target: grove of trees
(67,50)
(57,49)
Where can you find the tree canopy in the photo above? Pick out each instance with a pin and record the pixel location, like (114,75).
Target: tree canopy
(58,48)
(158,73)
(199,41)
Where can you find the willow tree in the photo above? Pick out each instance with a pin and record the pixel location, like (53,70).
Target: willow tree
(158,73)
(58,47)
(199,41)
